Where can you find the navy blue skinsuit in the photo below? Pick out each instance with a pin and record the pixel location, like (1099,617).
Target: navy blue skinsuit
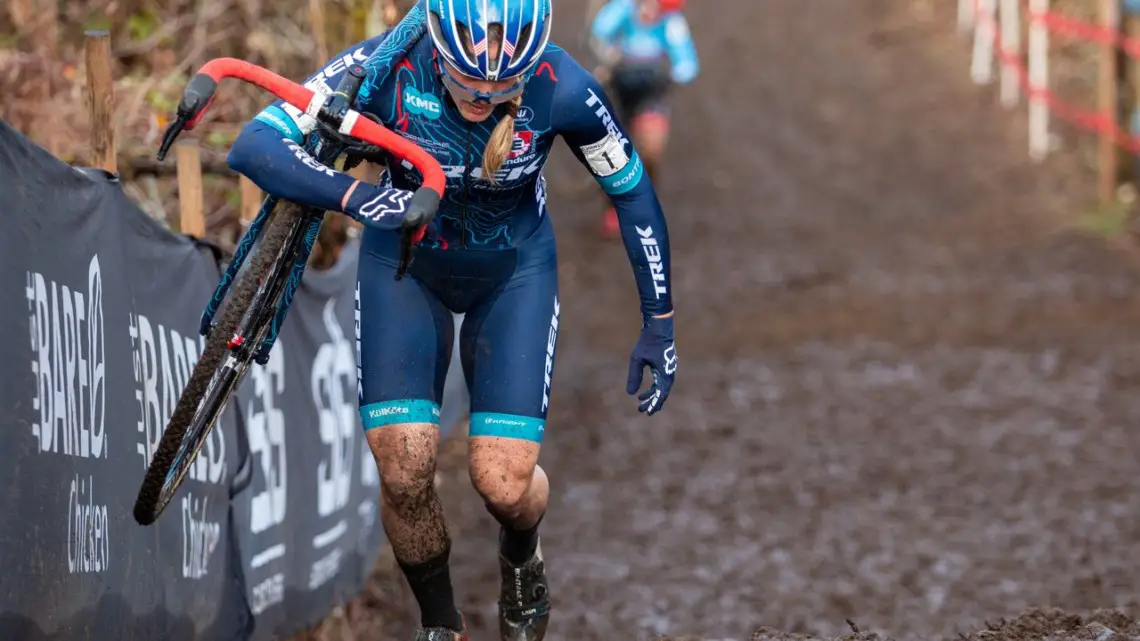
(495,258)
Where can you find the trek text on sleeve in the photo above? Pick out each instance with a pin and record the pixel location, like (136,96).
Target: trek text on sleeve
(584,118)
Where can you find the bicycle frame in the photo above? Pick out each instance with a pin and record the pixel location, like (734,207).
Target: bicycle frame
(279,285)
(332,111)
(264,294)
(404,36)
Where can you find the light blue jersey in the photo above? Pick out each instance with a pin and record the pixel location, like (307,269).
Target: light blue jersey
(618,24)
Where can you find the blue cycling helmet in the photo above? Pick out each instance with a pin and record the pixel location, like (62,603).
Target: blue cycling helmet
(463,29)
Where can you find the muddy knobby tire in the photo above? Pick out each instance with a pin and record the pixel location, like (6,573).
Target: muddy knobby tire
(150,502)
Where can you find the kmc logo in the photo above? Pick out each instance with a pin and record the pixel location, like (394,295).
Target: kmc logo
(422,104)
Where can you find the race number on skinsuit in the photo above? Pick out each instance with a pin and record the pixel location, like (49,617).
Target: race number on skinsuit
(607,156)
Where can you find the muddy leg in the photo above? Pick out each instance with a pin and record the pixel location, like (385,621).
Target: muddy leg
(516,490)
(413,517)
(505,473)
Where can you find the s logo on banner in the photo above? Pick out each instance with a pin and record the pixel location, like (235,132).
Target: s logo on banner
(267,444)
(332,383)
(333,380)
(267,441)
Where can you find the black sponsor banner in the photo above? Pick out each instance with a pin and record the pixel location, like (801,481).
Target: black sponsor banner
(312,501)
(100,338)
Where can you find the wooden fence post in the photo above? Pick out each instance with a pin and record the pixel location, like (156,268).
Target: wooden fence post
(320,33)
(1010,29)
(1038,80)
(192,217)
(965,16)
(1107,157)
(101,99)
(1132,28)
(251,198)
(985,31)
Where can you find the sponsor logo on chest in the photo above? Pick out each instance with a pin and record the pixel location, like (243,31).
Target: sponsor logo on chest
(422,104)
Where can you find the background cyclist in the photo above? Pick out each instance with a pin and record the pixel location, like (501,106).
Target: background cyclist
(487,95)
(645,47)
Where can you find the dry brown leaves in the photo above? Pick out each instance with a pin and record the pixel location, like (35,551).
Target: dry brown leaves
(156,47)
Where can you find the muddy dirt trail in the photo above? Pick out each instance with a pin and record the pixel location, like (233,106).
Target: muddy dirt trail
(906,396)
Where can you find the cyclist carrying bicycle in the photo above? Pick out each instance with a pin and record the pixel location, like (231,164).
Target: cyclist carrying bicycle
(486,95)
(645,48)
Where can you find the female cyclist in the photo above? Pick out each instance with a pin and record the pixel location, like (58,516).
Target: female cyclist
(486,95)
(645,48)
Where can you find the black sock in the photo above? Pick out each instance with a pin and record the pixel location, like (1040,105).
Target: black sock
(431,584)
(518,546)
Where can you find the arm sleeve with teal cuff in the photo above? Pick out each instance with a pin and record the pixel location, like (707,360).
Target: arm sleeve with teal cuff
(584,118)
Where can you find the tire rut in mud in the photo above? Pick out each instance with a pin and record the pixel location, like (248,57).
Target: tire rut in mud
(905,395)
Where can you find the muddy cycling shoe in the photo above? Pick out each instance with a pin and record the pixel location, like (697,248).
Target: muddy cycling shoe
(524,603)
(441,634)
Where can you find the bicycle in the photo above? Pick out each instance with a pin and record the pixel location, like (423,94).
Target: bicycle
(251,318)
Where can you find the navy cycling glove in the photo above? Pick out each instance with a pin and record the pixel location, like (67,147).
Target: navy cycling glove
(656,350)
(382,207)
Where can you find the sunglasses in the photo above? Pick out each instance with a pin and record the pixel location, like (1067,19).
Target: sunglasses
(462,93)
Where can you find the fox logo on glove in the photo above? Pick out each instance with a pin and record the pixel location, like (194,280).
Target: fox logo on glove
(671,359)
(386,203)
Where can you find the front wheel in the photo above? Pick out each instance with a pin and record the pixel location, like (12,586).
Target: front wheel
(216,374)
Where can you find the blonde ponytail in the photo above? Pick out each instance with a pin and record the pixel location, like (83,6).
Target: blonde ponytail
(500,142)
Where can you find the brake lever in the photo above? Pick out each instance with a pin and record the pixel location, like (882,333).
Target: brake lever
(351,160)
(171,134)
(419,215)
(356,154)
(196,98)
(406,257)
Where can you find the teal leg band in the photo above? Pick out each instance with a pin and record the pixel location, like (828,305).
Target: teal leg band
(409,410)
(526,428)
